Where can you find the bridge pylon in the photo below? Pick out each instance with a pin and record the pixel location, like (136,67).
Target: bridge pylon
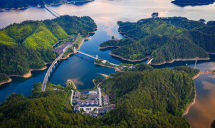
(75,50)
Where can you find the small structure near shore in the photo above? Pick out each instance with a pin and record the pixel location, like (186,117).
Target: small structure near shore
(155,15)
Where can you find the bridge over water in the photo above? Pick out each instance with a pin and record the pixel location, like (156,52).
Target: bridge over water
(52,12)
(48,73)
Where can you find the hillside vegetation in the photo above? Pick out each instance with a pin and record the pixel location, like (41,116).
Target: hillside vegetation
(145,98)
(8,4)
(164,39)
(149,99)
(43,34)
(28,45)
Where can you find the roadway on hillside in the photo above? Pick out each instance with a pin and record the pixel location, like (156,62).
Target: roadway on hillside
(72,97)
(100,97)
(53,64)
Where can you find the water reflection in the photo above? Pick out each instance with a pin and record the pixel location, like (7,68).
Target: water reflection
(202,113)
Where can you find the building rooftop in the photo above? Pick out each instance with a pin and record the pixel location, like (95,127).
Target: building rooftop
(112,106)
(101,109)
(93,96)
(106,98)
(107,107)
(77,94)
(76,107)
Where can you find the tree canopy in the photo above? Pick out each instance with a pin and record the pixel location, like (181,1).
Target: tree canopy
(164,39)
(147,98)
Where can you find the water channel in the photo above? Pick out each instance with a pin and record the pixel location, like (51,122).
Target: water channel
(106,13)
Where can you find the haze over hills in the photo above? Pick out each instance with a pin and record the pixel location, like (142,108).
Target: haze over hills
(15,4)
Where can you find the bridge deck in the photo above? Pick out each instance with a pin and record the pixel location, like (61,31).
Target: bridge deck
(87,54)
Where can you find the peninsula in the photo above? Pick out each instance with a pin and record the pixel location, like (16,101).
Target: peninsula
(165,40)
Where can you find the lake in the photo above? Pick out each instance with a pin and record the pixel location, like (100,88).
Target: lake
(106,13)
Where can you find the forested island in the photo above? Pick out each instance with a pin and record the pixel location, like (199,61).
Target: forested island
(145,97)
(192,2)
(28,45)
(21,4)
(164,40)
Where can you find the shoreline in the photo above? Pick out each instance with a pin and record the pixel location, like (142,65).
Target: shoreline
(190,104)
(27,75)
(191,59)
(201,72)
(102,65)
(67,56)
(194,100)
(82,41)
(106,76)
(73,84)
(4,82)
(109,47)
(136,60)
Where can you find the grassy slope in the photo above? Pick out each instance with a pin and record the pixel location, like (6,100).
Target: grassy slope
(41,38)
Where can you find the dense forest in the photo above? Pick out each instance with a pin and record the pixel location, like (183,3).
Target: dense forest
(164,39)
(192,2)
(43,34)
(28,44)
(149,98)
(144,98)
(5,4)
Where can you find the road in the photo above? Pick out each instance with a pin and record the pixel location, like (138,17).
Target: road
(72,97)
(53,64)
(100,95)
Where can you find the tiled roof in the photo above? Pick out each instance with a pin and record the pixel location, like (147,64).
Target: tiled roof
(112,105)
(107,107)
(93,96)
(76,106)
(101,109)
(77,94)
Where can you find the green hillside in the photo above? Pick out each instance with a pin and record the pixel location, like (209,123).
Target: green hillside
(18,60)
(43,34)
(164,39)
(8,4)
(28,45)
(148,98)
(41,38)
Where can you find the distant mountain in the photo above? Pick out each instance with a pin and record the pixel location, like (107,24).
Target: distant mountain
(17,4)
(192,2)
